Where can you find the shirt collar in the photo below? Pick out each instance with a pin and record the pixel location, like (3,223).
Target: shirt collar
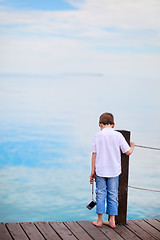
(110,129)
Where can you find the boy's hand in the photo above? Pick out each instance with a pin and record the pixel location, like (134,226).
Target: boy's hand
(92,178)
(132,144)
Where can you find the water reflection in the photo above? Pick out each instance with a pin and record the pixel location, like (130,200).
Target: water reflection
(43,194)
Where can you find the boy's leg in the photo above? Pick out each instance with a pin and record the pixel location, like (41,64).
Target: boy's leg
(100,199)
(111,222)
(112,200)
(99,221)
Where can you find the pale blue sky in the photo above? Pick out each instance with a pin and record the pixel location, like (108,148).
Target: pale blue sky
(48,37)
(51,5)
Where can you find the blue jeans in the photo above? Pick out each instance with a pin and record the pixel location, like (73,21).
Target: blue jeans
(107,191)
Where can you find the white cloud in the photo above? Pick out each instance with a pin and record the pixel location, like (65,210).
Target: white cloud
(122,13)
(53,54)
(92,14)
(101,35)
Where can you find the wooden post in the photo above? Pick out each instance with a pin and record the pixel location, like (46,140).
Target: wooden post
(123,183)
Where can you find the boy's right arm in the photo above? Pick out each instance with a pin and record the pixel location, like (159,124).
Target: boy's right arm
(132,145)
(93,174)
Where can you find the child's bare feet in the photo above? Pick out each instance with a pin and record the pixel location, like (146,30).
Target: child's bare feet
(110,224)
(97,224)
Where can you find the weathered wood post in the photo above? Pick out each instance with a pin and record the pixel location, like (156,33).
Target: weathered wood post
(123,183)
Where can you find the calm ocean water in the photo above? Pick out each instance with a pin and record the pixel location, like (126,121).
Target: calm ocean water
(46,127)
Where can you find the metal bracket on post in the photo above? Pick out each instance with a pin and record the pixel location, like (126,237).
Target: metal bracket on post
(123,183)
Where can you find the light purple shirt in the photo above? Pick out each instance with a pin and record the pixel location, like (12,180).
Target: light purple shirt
(107,145)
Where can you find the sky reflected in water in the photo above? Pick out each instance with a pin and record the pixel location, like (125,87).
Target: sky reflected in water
(46,126)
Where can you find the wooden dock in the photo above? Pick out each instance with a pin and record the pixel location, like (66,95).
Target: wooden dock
(146,229)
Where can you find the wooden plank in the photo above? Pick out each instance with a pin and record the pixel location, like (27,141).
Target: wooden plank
(77,230)
(92,230)
(110,233)
(154,223)
(126,233)
(148,228)
(47,231)
(123,183)
(4,234)
(62,230)
(16,231)
(138,231)
(31,231)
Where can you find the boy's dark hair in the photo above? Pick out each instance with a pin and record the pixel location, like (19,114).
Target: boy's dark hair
(106,118)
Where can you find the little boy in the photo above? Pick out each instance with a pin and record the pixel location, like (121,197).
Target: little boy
(106,167)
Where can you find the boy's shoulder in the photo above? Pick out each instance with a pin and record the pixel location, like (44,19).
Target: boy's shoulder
(109,131)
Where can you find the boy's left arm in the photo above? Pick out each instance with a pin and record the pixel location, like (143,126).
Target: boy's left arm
(93,174)
(132,145)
